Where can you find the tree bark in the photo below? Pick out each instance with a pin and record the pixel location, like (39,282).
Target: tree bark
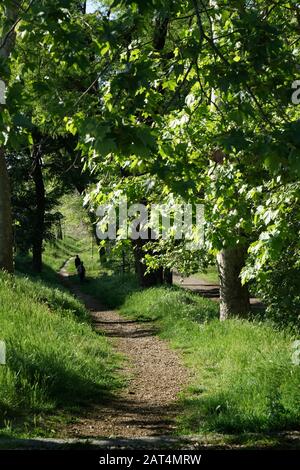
(150,279)
(160,33)
(59,231)
(234,297)
(6,232)
(39,219)
(168,276)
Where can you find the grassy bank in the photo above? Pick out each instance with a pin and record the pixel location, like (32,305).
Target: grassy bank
(245,381)
(56,363)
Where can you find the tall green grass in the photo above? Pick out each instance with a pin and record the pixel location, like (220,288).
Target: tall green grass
(245,379)
(55,361)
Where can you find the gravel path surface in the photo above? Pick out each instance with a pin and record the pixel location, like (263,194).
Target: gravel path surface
(155,376)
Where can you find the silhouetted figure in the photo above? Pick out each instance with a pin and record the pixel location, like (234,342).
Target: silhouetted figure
(77,262)
(81,272)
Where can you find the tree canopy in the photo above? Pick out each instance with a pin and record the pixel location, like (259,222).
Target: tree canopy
(164,102)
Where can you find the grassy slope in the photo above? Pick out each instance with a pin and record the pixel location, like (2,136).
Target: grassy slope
(55,361)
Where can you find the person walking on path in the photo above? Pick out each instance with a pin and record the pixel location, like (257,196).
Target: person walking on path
(77,262)
(81,271)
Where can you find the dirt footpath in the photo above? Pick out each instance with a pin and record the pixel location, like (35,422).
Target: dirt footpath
(155,376)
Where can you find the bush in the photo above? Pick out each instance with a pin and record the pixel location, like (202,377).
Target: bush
(279,288)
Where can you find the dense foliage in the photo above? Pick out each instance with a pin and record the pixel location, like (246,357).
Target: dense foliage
(169,101)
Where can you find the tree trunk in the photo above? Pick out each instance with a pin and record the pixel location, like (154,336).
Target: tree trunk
(59,231)
(39,219)
(6,233)
(234,298)
(168,276)
(154,277)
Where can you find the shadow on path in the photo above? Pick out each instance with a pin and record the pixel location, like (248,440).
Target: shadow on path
(154,375)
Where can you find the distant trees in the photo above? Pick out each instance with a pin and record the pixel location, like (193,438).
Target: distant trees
(41,159)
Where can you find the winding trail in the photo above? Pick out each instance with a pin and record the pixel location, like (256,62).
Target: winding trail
(209,290)
(155,375)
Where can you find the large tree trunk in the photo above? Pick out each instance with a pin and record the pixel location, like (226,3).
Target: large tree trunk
(6,233)
(234,298)
(168,276)
(59,231)
(6,237)
(39,219)
(150,279)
